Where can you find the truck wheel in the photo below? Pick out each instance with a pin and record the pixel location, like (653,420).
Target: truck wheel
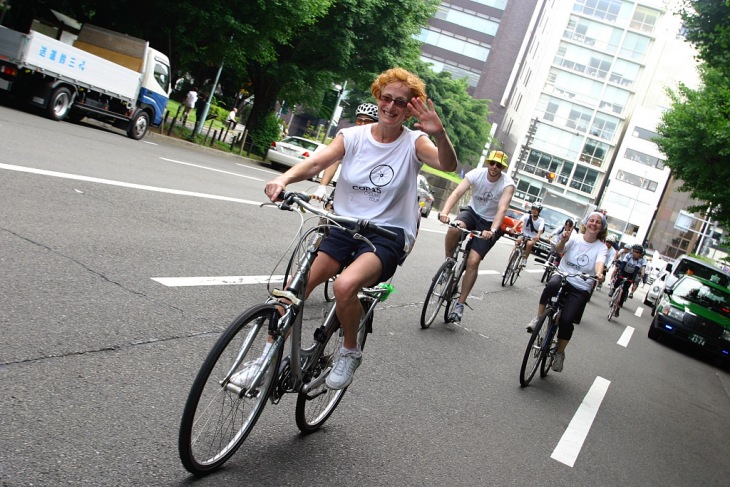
(60,103)
(139,125)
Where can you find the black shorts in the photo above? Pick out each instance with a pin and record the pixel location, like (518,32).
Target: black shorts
(344,249)
(474,222)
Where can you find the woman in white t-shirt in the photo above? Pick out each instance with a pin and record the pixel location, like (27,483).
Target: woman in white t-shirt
(378,182)
(584,252)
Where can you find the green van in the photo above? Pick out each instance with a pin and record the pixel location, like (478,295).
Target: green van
(696,311)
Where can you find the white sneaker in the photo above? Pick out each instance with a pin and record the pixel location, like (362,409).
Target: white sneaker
(344,369)
(456,313)
(244,377)
(558,362)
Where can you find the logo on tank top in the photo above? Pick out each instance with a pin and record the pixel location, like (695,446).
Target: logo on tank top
(381,175)
(486,197)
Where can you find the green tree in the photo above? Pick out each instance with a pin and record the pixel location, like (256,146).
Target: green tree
(695,133)
(695,136)
(354,40)
(707,26)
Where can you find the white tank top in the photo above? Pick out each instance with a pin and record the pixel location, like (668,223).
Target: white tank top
(581,256)
(379,181)
(485,195)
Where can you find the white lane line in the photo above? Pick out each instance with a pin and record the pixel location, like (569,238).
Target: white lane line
(572,440)
(125,185)
(150,143)
(268,171)
(216,281)
(639,311)
(626,336)
(210,169)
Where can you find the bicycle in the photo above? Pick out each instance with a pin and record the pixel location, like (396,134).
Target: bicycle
(446,283)
(514,263)
(617,289)
(543,343)
(550,265)
(218,414)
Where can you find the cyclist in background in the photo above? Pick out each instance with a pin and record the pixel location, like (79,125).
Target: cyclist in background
(365,114)
(584,252)
(610,256)
(557,234)
(491,192)
(532,227)
(632,266)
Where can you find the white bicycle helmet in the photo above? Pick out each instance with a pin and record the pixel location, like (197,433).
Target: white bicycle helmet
(369,110)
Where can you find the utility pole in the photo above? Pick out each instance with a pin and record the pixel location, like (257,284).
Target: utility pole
(334,111)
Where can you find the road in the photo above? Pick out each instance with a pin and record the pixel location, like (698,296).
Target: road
(97,354)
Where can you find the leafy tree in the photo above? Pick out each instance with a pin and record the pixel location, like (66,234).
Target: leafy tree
(354,40)
(707,26)
(695,133)
(695,136)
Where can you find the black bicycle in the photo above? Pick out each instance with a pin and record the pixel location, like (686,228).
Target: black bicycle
(248,365)
(446,284)
(543,342)
(617,291)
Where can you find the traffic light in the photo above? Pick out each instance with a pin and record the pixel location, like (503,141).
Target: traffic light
(551,177)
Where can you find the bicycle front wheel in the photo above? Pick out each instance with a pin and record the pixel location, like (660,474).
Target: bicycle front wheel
(613,303)
(216,419)
(511,263)
(535,351)
(515,270)
(436,296)
(315,406)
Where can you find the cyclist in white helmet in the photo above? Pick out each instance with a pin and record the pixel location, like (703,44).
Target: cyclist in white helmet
(365,114)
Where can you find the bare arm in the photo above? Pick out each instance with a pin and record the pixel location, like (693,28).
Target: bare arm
(504,201)
(329,174)
(452,199)
(307,168)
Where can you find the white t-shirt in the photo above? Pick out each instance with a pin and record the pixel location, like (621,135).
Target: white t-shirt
(485,195)
(582,256)
(379,181)
(191,99)
(539,224)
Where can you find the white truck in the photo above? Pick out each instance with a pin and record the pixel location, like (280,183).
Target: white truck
(104,75)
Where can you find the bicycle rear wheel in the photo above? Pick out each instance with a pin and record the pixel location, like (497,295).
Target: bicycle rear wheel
(315,406)
(535,351)
(452,294)
(436,296)
(216,419)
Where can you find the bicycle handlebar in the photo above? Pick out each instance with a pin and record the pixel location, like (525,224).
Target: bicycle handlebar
(562,273)
(474,233)
(351,224)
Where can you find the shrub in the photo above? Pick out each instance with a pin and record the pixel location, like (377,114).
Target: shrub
(268,132)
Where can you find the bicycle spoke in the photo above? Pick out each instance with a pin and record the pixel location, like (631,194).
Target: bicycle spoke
(436,295)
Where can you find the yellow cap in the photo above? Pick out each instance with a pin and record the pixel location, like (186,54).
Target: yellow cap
(498,156)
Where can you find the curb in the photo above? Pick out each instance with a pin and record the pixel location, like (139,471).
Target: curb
(160,137)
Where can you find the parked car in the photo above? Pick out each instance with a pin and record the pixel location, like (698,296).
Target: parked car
(697,311)
(683,265)
(291,150)
(512,221)
(425,196)
(554,218)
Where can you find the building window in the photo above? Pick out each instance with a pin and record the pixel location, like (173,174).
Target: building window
(645,159)
(644,134)
(472,78)
(526,191)
(498,4)
(634,46)
(550,111)
(644,19)
(634,180)
(604,127)
(446,40)
(540,164)
(584,179)
(468,19)
(594,152)
(578,120)
(600,9)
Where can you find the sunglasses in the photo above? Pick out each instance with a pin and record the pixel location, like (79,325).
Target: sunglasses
(400,103)
(495,163)
(363,120)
